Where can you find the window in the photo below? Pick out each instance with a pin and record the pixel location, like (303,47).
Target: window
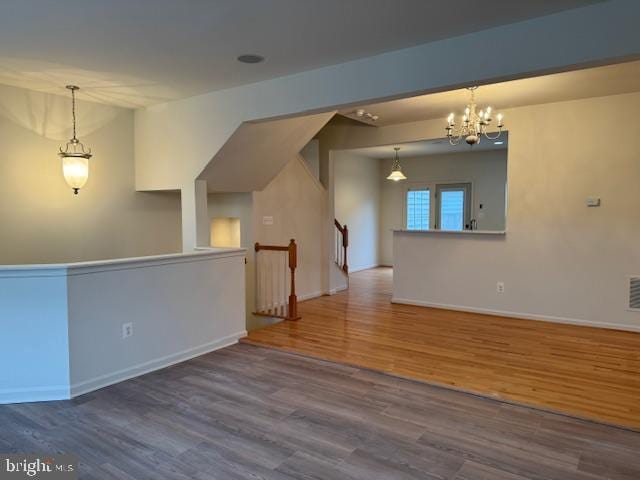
(418,206)
(453,208)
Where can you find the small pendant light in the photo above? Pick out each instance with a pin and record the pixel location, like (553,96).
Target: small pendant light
(75,157)
(396,171)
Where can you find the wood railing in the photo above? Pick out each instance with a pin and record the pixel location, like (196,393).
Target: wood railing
(276,281)
(341,246)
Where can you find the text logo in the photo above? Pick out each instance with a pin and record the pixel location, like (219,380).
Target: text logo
(37,466)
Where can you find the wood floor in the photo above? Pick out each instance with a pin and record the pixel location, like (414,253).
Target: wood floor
(587,372)
(248,412)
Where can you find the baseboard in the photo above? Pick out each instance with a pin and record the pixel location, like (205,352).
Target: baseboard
(524,316)
(152,365)
(366,267)
(333,291)
(309,296)
(36,394)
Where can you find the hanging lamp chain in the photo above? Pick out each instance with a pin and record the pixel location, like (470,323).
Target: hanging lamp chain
(73,89)
(74,147)
(73,111)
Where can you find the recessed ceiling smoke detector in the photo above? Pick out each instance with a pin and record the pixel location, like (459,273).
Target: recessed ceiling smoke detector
(250,58)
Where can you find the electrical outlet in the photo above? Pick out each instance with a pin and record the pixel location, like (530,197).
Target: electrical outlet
(500,287)
(127,330)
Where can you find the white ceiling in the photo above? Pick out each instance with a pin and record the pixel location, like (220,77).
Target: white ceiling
(141,52)
(592,82)
(429,147)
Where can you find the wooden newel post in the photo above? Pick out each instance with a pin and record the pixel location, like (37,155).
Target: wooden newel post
(293,263)
(345,244)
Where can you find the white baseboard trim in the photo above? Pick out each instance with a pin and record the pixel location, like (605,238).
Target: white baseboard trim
(35,394)
(152,365)
(333,291)
(524,316)
(309,296)
(366,267)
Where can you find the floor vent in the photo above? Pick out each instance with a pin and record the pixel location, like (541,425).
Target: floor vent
(634,293)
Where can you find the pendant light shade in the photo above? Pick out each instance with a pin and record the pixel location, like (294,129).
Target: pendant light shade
(396,171)
(75,171)
(75,157)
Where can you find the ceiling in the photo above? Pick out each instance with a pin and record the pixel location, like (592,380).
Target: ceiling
(429,147)
(593,82)
(141,52)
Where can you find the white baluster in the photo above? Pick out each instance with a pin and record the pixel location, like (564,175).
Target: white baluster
(262,282)
(259,279)
(285,258)
(270,281)
(274,281)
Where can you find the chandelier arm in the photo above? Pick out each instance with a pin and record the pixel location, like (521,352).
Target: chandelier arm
(456,141)
(494,137)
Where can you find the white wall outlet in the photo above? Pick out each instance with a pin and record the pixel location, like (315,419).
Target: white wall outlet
(127,330)
(593,202)
(500,287)
(267,220)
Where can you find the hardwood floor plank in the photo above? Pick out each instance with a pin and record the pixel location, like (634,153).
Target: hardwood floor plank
(586,372)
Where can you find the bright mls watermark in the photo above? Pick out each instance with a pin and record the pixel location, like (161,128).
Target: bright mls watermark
(37,466)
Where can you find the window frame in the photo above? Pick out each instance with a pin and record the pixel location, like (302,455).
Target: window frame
(418,187)
(434,202)
(467,188)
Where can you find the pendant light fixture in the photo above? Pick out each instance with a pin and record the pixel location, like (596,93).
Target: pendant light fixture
(396,171)
(75,157)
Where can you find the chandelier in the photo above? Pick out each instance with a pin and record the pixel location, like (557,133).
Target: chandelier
(396,171)
(75,157)
(474,124)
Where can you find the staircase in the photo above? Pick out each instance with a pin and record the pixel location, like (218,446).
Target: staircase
(276,281)
(341,246)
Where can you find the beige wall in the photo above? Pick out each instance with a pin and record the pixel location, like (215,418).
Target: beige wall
(240,206)
(485,170)
(311,155)
(234,205)
(357,187)
(560,260)
(176,141)
(296,201)
(42,221)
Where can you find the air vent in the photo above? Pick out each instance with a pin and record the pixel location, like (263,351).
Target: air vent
(634,293)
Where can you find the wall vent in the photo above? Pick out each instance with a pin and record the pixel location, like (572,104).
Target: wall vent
(634,293)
